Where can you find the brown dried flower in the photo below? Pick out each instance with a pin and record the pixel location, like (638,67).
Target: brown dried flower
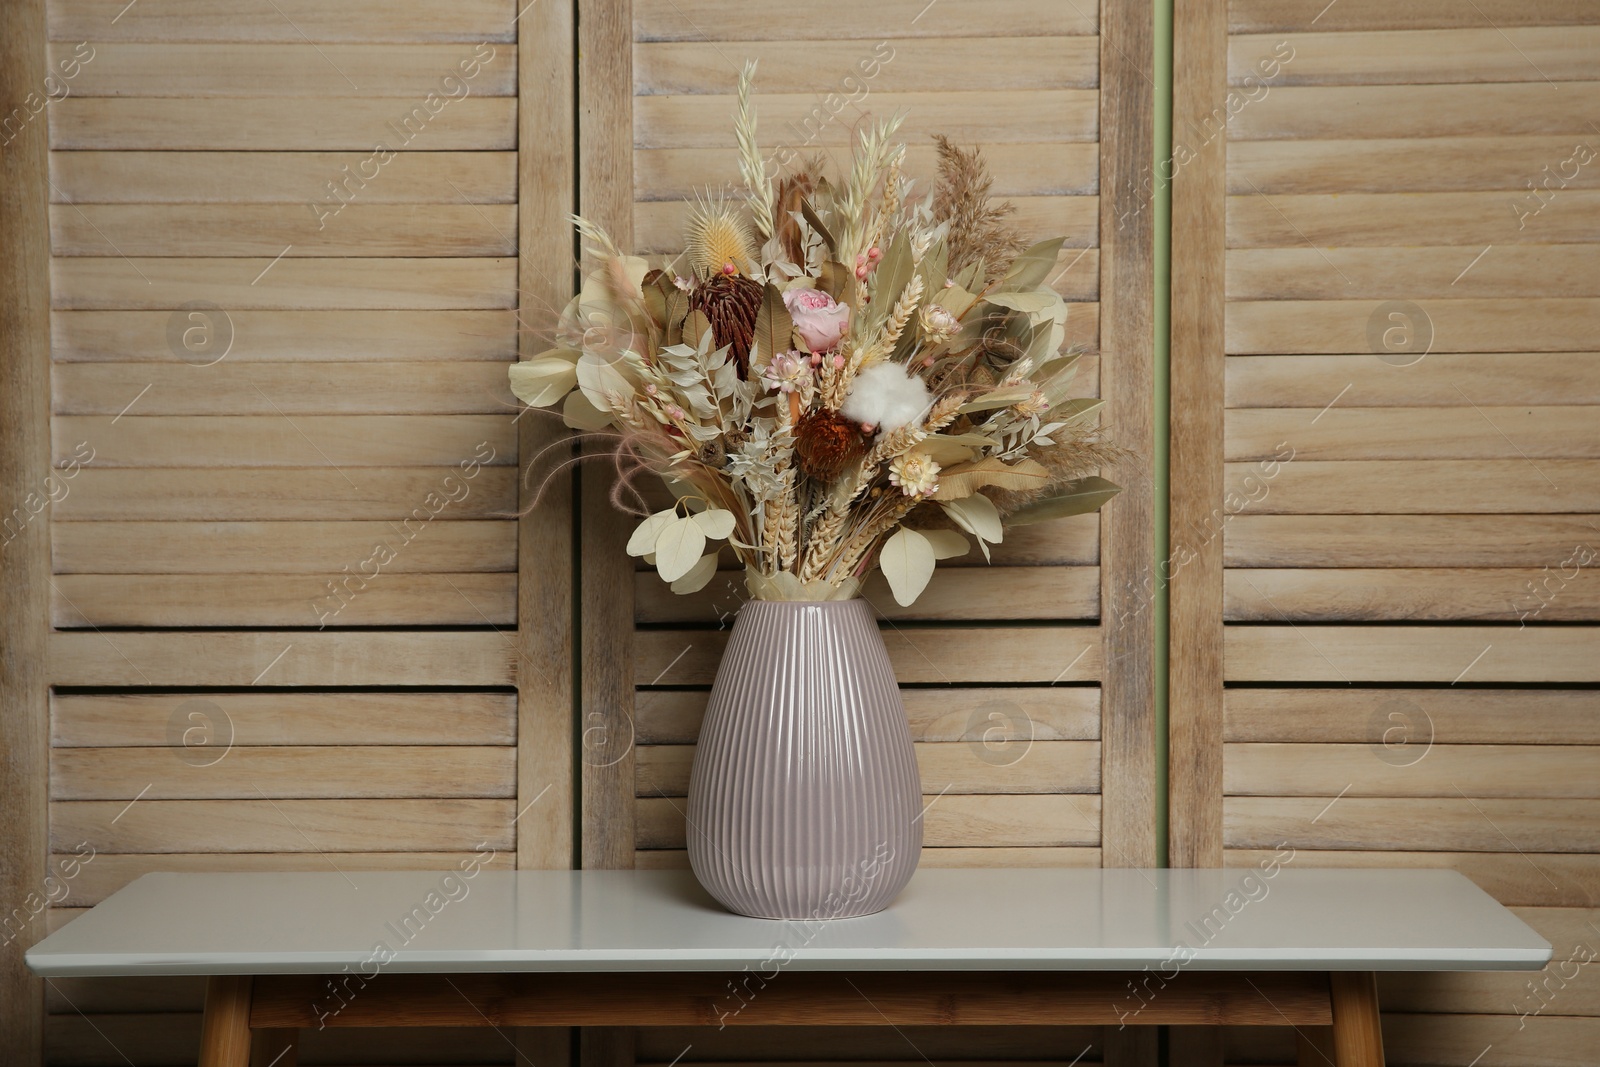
(731,303)
(826,442)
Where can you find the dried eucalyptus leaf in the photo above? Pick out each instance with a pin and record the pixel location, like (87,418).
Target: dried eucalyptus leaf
(1030,269)
(643,541)
(962,480)
(906,560)
(679,547)
(546,378)
(698,576)
(715,523)
(1079,498)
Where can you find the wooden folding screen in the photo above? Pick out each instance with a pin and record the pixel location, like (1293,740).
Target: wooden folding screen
(1384,473)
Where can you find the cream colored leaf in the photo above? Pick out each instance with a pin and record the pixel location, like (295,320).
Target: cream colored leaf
(715,523)
(906,560)
(965,479)
(579,414)
(678,548)
(947,544)
(699,575)
(541,381)
(644,537)
(979,517)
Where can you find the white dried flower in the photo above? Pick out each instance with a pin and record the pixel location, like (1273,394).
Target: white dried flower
(787,372)
(1036,404)
(886,396)
(938,324)
(915,473)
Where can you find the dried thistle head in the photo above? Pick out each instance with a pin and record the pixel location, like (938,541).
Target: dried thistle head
(716,239)
(978,230)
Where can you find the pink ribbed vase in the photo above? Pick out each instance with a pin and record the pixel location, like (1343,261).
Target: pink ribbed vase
(804,798)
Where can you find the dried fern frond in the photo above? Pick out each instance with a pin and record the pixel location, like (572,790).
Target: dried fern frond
(978,230)
(752,168)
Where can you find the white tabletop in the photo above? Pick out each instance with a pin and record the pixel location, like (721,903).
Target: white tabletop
(310,923)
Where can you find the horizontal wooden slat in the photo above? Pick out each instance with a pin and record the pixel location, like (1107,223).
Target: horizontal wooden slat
(393,493)
(1046,169)
(172,69)
(1010,654)
(323,226)
(682,20)
(476,387)
(258,124)
(189,826)
(951,821)
(1513,878)
(1481,53)
(963,116)
(121,283)
(288,336)
(1002,765)
(1409,540)
(1455,716)
(1265,16)
(1418,111)
(235,548)
(958,593)
(983,1046)
(1446,824)
(92,996)
(1484,268)
(1474,430)
(255,719)
(1422,486)
(1407,219)
(245,773)
(1063,713)
(1508,594)
(1454,164)
(1441,378)
(139,440)
(280,177)
(288,20)
(1420,769)
(1410,654)
(1477,325)
(194,600)
(918,65)
(1449,1040)
(291,658)
(1567,929)
(1492,993)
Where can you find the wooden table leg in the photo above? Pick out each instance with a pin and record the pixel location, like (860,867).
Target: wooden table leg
(274,1048)
(1314,1045)
(1357,1029)
(225,1035)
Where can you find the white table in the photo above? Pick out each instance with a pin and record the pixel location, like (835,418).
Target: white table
(649,948)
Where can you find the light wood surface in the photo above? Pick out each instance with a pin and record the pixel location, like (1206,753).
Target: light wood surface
(1357,1033)
(225,1036)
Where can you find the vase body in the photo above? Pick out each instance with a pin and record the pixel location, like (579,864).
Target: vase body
(804,797)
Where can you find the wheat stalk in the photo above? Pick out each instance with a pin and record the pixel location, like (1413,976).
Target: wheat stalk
(751,166)
(899,318)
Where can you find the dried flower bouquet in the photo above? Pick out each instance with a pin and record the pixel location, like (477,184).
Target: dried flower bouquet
(831,377)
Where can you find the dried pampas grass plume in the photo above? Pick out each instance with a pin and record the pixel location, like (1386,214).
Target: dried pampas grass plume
(717,240)
(978,230)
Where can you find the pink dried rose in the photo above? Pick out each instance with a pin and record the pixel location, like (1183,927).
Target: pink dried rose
(819,319)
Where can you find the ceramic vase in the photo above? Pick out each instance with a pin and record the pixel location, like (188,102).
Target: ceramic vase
(804,797)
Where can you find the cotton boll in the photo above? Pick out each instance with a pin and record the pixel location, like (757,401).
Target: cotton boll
(886,395)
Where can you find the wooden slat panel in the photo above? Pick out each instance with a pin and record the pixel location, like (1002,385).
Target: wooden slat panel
(952,821)
(1043,169)
(289,336)
(1408,219)
(292,20)
(1453,164)
(118,283)
(265,229)
(1454,824)
(1432,770)
(1470,431)
(1447,273)
(681,20)
(870,1045)
(1492,993)
(395,493)
(947,768)
(1031,654)
(259,124)
(954,593)
(189,826)
(1482,53)
(1407,540)
(321,600)
(366,771)
(1502,594)
(1266,16)
(329,718)
(916,65)
(109,872)
(1527,878)
(1024,116)
(1448,716)
(1565,928)
(1417,111)
(170,69)
(1441,378)
(277,441)
(281,659)
(278,177)
(1482,325)
(1411,654)
(1423,486)
(1064,713)
(276,547)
